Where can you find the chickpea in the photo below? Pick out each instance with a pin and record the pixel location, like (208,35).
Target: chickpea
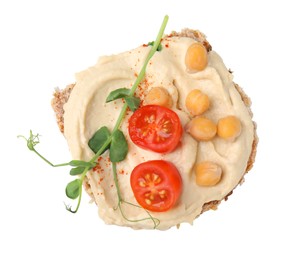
(197,102)
(229,128)
(201,128)
(196,57)
(159,96)
(207,173)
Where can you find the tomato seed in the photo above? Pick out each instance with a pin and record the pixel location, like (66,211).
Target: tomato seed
(148,177)
(162,194)
(142,183)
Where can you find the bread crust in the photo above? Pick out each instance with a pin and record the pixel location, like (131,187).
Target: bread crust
(60,97)
(247,101)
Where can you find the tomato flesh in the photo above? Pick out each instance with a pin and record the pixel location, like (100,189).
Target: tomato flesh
(155,128)
(156,185)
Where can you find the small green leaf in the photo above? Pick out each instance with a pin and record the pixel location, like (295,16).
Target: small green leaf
(133,102)
(73,189)
(80,163)
(77,170)
(99,139)
(118,147)
(118,93)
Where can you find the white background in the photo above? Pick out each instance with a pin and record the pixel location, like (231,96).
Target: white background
(43,43)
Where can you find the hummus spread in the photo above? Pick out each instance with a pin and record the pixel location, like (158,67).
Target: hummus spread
(86,111)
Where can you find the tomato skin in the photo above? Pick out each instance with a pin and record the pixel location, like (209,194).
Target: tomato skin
(160,190)
(155,128)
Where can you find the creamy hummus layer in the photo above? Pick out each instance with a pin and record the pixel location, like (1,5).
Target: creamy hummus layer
(86,111)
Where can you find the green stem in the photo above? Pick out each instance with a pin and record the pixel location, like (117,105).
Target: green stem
(143,71)
(119,196)
(155,220)
(79,199)
(102,149)
(83,174)
(120,118)
(61,164)
(78,204)
(51,164)
(81,188)
(120,201)
(151,53)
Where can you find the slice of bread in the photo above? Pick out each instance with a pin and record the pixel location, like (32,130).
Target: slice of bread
(62,96)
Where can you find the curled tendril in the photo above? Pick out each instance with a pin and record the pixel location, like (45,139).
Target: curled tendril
(32,141)
(69,208)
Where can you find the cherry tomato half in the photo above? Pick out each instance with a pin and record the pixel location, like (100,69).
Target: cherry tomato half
(156,185)
(155,128)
